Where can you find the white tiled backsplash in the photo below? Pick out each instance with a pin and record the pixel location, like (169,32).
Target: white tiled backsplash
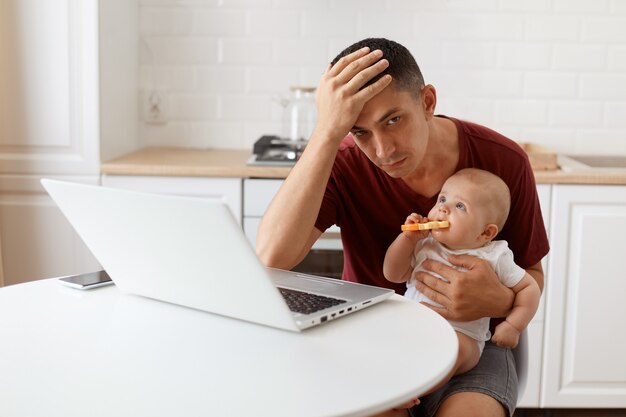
(552,72)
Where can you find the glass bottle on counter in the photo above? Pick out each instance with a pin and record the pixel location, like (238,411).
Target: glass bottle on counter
(299,113)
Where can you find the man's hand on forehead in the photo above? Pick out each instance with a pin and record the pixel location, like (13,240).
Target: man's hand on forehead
(341,94)
(363,63)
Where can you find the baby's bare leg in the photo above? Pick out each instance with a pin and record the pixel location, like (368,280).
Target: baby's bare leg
(469,354)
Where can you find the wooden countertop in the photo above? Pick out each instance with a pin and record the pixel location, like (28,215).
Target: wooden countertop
(598,177)
(190,162)
(232,163)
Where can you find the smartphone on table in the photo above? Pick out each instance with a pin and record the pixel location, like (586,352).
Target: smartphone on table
(87,281)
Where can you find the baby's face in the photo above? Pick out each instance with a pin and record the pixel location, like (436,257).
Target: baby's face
(458,203)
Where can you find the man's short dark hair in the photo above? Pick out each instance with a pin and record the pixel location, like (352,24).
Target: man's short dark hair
(402,65)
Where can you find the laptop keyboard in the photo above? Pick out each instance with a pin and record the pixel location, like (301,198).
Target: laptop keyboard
(307,303)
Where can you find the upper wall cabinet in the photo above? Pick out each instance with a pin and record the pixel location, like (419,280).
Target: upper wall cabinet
(585,341)
(49,106)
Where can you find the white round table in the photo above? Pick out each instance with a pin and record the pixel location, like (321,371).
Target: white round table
(65,353)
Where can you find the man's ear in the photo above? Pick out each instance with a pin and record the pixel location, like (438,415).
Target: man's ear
(490,232)
(429,100)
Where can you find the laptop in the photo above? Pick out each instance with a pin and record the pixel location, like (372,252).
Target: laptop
(192,252)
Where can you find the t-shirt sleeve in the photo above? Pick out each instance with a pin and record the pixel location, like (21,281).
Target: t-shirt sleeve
(524,228)
(507,270)
(327,215)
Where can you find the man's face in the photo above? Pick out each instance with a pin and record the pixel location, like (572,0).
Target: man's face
(392,131)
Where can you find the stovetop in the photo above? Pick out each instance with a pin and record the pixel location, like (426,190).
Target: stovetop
(275,151)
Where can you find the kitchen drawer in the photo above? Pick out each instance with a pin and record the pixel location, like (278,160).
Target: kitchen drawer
(330,240)
(257,195)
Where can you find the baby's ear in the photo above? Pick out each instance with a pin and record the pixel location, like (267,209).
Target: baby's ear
(490,232)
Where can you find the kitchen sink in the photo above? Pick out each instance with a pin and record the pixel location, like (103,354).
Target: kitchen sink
(592,162)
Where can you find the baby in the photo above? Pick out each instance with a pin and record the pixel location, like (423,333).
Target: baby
(476,205)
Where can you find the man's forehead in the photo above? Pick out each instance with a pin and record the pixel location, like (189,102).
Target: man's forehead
(383,105)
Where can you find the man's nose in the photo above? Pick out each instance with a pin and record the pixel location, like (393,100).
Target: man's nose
(384,148)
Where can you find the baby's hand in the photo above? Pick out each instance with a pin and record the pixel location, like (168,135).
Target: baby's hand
(505,335)
(417,234)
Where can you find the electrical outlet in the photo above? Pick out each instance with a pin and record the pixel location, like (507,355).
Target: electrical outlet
(154,107)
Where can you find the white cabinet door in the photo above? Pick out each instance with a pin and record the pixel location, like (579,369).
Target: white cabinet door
(544,191)
(531,394)
(257,195)
(49,127)
(37,241)
(226,189)
(67,80)
(585,341)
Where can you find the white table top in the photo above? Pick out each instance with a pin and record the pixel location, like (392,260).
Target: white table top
(65,352)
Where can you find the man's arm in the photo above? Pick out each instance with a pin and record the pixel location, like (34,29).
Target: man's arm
(287,230)
(469,295)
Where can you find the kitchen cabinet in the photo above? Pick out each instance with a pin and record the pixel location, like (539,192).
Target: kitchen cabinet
(531,394)
(59,114)
(38,242)
(48,127)
(257,195)
(226,189)
(584,338)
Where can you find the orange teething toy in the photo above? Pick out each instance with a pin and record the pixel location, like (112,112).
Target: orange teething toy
(425,226)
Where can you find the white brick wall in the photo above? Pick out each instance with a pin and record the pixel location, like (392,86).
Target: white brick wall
(551,72)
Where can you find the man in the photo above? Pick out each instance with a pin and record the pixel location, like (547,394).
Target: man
(379,153)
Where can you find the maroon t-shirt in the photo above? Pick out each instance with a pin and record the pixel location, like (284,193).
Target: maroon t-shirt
(369,206)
